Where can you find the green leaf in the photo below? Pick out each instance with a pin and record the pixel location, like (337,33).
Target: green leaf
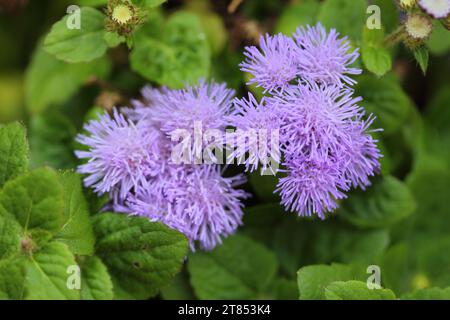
(356,290)
(178,55)
(284,289)
(437,113)
(141,256)
(13,152)
(78,45)
(240,268)
(439,42)
(312,280)
(297,15)
(35,200)
(50,81)
(428,294)
(96,283)
(376,58)
(46,274)
(77,231)
(10,237)
(179,288)
(386,100)
(150,4)
(51,139)
(422,56)
(346,16)
(385,203)
(12,277)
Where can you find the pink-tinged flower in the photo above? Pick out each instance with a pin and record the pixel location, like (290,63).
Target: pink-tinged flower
(438,9)
(324,57)
(121,155)
(256,140)
(272,65)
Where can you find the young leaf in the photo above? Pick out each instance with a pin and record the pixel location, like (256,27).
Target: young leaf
(35,200)
(77,231)
(82,44)
(312,280)
(376,58)
(50,81)
(356,290)
(47,276)
(141,256)
(96,283)
(240,268)
(385,203)
(422,56)
(174,57)
(13,152)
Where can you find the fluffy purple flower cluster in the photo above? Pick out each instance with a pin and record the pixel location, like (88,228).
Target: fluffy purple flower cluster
(131,160)
(324,134)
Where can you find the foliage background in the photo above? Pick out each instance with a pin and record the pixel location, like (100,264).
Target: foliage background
(402,223)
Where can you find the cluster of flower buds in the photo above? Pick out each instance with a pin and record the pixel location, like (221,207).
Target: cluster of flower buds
(418,24)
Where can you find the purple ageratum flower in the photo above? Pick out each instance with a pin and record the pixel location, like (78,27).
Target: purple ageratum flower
(324,57)
(438,9)
(180,109)
(362,155)
(328,148)
(184,115)
(273,65)
(316,119)
(256,140)
(121,155)
(199,202)
(311,186)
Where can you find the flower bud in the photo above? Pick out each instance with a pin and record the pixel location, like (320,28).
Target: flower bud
(418,28)
(406,4)
(123,17)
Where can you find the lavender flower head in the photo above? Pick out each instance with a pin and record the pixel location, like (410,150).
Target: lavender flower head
(180,109)
(324,57)
(324,134)
(131,160)
(256,139)
(121,155)
(202,204)
(273,65)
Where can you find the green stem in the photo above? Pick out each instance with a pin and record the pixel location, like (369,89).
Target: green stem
(395,37)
